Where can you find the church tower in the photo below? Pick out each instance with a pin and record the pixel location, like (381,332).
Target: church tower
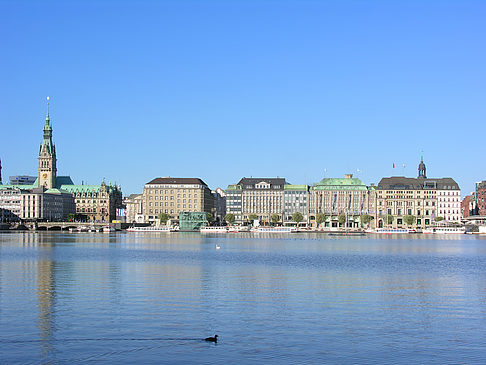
(422,169)
(47,157)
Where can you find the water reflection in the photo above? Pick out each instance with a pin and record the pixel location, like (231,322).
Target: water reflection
(316,294)
(46,296)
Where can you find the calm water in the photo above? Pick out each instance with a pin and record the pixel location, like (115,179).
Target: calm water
(151,298)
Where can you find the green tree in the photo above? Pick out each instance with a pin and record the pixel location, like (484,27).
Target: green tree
(342,218)
(366,218)
(70,217)
(210,217)
(297,217)
(252,217)
(320,218)
(164,217)
(438,219)
(409,219)
(230,218)
(275,218)
(388,217)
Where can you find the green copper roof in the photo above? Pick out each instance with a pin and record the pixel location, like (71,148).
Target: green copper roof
(47,134)
(234,187)
(65,184)
(57,191)
(21,187)
(296,187)
(86,188)
(340,184)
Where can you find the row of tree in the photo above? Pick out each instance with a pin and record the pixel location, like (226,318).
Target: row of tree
(298,217)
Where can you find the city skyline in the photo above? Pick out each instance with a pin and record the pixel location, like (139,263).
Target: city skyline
(264,89)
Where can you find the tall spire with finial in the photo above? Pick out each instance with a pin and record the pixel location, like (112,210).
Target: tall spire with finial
(47,169)
(47,116)
(422,169)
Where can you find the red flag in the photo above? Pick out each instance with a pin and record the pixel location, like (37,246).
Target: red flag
(393,165)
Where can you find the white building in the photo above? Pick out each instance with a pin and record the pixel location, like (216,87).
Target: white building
(449,201)
(34,204)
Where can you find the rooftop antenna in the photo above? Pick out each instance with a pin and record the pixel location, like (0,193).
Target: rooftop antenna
(403,169)
(325,171)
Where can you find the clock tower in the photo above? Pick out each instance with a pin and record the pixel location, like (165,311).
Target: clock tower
(47,157)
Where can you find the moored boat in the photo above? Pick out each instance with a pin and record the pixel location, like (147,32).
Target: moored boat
(164,229)
(215,229)
(391,230)
(445,230)
(237,229)
(108,229)
(275,230)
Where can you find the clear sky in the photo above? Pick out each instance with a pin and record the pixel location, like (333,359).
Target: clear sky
(226,89)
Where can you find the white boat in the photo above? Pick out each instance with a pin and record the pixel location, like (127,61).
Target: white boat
(445,230)
(236,229)
(215,229)
(150,229)
(108,229)
(482,229)
(82,229)
(390,230)
(275,230)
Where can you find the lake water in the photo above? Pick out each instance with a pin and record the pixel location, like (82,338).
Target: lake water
(290,299)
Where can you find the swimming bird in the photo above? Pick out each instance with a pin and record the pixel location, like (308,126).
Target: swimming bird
(217,247)
(212,339)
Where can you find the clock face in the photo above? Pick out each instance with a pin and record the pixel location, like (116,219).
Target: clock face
(44,176)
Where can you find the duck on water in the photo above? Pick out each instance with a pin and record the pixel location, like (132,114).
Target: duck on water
(212,339)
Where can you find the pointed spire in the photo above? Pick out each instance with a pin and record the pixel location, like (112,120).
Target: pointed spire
(47,116)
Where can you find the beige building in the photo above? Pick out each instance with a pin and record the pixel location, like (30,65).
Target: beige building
(347,196)
(262,197)
(425,199)
(134,205)
(172,195)
(96,203)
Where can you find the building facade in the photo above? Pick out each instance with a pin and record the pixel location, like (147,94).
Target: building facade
(97,203)
(261,197)
(428,200)
(22,180)
(475,204)
(49,205)
(296,200)
(175,195)
(348,197)
(469,206)
(481,197)
(10,208)
(234,195)
(449,201)
(35,204)
(134,206)
(219,199)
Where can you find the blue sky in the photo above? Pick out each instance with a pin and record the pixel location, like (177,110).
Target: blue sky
(225,89)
